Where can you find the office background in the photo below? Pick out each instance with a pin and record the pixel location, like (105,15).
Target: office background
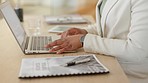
(57,7)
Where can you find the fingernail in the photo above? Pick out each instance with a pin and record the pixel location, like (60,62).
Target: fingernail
(58,52)
(50,50)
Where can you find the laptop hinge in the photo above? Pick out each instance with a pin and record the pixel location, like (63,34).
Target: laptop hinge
(26,44)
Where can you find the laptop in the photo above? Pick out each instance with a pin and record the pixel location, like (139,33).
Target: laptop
(28,44)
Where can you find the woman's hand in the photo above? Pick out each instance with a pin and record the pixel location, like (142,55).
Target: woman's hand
(69,43)
(73,31)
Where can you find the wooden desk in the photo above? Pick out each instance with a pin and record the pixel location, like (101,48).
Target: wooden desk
(11,56)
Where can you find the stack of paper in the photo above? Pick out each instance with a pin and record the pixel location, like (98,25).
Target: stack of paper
(66,19)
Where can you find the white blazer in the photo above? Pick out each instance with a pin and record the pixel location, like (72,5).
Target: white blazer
(124,31)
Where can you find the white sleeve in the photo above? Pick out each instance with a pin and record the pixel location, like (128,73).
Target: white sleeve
(93,29)
(136,45)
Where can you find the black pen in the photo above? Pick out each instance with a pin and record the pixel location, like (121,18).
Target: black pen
(77,62)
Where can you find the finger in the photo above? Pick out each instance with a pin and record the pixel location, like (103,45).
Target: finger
(59,47)
(55,43)
(65,34)
(50,45)
(63,50)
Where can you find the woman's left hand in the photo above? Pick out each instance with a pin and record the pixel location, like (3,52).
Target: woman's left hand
(69,43)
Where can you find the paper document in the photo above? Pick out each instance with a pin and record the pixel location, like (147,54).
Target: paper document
(65,19)
(55,66)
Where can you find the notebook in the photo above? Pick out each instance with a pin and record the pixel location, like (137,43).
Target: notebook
(28,44)
(66,19)
(61,66)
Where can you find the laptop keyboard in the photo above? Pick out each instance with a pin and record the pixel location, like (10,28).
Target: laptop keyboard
(38,43)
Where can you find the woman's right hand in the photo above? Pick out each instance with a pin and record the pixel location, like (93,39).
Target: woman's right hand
(72,31)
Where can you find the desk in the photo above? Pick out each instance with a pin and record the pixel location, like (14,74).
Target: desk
(11,56)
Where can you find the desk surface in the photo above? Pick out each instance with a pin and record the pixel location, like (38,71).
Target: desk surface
(11,56)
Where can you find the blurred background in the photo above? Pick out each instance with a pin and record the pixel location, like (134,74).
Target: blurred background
(57,7)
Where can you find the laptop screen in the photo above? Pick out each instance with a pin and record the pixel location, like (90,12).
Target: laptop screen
(13,22)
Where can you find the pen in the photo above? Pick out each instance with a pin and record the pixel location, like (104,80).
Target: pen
(77,62)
